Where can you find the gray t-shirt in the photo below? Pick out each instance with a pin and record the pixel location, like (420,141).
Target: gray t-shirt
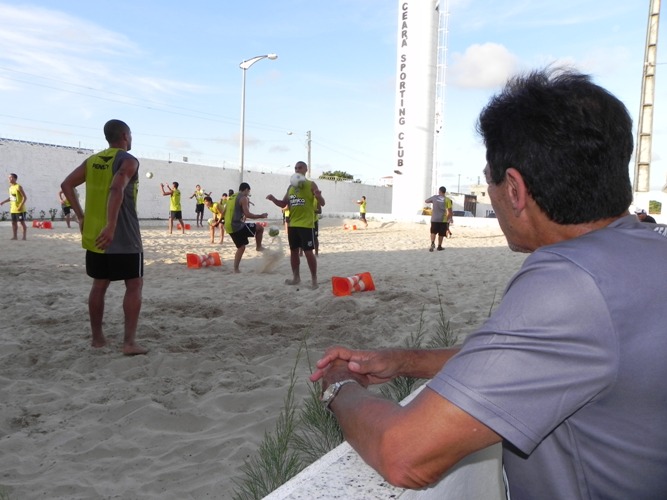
(439,210)
(571,369)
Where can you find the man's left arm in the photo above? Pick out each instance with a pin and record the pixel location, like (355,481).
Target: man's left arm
(68,187)
(318,194)
(248,214)
(411,446)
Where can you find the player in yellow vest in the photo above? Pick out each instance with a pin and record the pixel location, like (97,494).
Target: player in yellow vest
(175,211)
(237,214)
(16,200)
(111,234)
(362,210)
(199,196)
(66,206)
(301,230)
(218,211)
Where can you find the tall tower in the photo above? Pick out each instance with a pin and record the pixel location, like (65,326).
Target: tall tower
(415,105)
(440,89)
(645,123)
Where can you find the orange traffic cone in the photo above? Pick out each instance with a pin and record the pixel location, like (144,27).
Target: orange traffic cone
(178,226)
(47,225)
(36,223)
(195,261)
(362,282)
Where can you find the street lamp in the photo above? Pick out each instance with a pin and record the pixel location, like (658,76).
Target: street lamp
(244,66)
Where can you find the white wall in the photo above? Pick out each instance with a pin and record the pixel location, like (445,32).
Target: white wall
(42,167)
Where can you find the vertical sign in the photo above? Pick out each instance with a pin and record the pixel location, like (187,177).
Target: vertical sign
(416,71)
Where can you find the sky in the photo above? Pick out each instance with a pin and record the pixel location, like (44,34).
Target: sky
(170,69)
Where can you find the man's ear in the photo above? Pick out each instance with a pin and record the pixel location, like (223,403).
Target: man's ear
(517,191)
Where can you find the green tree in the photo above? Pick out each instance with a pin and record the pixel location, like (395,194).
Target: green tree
(337,175)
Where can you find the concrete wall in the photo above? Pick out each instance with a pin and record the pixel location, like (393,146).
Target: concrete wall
(42,167)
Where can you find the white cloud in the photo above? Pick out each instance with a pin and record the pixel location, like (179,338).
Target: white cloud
(48,48)
(482,66)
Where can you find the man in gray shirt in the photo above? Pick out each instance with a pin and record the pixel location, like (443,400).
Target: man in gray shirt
(569,371)
(441,215)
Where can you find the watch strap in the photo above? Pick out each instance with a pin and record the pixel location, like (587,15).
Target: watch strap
(332,391)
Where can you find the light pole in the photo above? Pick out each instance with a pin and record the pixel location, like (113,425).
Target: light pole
(244,66)
(308,149)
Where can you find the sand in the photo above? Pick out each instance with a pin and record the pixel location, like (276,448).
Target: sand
(83,423)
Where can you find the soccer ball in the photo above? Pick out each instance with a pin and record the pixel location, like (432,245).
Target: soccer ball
(274,231)
(297,180)
(149,175)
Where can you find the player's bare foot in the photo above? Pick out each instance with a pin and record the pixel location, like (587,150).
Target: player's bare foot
(98,343)
(293,282)
(133,349)
(314,285)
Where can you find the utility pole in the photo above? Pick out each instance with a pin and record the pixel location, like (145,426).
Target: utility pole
(310,167)
(645,123)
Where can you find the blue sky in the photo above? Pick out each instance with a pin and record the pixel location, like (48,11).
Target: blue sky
(171,70)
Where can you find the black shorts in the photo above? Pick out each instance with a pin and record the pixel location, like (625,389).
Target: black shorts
(18,217)
(175,214)
(242,237)
(67,210)
(114,266)
(199,208)
(439,228)
(362,215)
(301,237)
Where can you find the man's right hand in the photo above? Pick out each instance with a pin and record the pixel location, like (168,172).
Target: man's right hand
(378,366)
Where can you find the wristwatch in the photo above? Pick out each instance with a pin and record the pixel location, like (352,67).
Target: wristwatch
(331,392)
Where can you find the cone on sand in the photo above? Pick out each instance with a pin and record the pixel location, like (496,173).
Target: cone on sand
(195,261)
(362,282)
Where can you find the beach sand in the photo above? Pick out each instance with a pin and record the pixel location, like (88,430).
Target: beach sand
(83,423)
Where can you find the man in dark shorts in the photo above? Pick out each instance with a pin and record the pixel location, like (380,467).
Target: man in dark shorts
(236,214)
(175,211)
(111,235)
(441,216)
(67,207)
(301,232)
(199,194)
(16,200)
